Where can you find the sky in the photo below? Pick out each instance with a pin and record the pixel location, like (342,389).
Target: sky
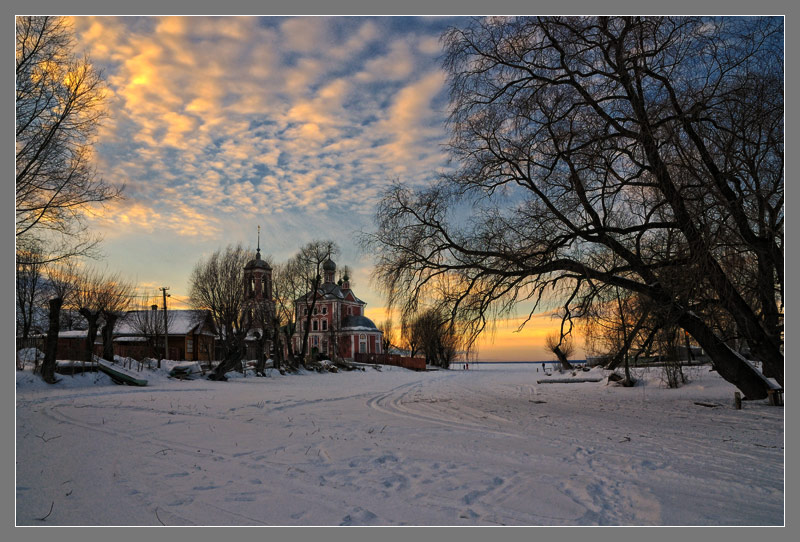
(218,125)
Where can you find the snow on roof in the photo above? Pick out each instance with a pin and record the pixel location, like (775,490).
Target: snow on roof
(358,323)
(73,334)
(181,322)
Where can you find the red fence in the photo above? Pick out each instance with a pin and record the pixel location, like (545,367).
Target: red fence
(417,364)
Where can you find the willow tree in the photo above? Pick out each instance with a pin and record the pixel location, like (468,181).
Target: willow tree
(594,152)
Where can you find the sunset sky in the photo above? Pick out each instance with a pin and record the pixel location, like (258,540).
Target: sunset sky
(218,125)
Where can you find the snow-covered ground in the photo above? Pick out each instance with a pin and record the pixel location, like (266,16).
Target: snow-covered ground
(480,447)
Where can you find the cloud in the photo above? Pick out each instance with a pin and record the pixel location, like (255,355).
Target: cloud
(216,123)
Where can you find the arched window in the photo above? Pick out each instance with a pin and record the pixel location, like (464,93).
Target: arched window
(324,325)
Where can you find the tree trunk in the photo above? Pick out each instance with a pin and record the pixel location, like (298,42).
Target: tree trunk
(91,333)
(108,336)
(233,358)
(262,357)
(565,364)
(307,330)
(729,364)
(277,355)
(48,369)
(628,382)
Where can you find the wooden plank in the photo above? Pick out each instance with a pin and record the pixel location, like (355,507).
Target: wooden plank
(567,380)
(119,373)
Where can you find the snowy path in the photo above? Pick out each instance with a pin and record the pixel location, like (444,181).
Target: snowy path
(396,448)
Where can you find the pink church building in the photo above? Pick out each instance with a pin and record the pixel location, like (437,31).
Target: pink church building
(338,325)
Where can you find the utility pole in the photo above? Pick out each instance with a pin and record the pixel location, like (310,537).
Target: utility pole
(166,331)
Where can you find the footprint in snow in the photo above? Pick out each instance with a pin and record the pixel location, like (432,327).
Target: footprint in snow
(359,516)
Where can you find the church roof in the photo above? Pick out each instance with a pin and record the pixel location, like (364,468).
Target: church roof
(329,291)
(258,263)
(359,323)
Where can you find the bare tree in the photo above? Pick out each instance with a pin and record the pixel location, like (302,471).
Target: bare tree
(438,337)
(640,153)
(59,104)
(148,322)
(307,266)
(217,285)
(100,294)
(30,288)
(286,290)
(60,291)
(261,320)
(562,347)
(619,327)
(409,335)
(389,339)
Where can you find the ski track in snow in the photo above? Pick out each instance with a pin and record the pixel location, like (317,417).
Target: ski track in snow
(485,447)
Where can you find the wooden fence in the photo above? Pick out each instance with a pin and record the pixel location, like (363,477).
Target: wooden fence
(416,364)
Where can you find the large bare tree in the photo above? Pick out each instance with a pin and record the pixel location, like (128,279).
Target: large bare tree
(217,285)
(286,289)
(639,153)
(60,100)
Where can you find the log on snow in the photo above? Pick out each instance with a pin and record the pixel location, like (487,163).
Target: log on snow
(567,380)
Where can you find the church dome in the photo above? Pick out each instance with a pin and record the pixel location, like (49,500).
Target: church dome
(258,263)
(361,323)
(329,265)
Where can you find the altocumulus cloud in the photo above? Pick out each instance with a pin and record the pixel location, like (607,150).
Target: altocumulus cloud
(218,122)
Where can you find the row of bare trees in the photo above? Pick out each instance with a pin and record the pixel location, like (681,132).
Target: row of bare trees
(429,332)
(47,290)
(643,154)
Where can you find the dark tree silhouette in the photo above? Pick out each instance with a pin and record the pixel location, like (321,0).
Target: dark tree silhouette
(638,153)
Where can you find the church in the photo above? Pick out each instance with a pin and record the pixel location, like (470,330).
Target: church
(338,326)
(259,306)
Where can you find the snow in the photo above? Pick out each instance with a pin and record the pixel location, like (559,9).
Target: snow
(396,447)
(30,355)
